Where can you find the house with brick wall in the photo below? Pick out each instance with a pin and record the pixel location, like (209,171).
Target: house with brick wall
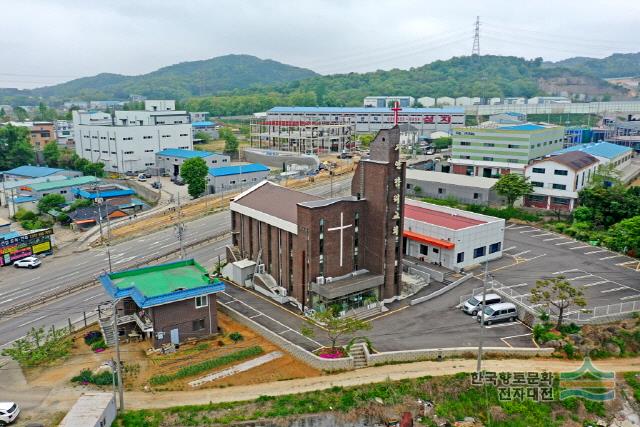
(166,303)
(319,252)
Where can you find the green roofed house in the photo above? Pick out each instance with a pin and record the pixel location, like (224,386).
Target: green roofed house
(64,187)
(492,149)
(167,303)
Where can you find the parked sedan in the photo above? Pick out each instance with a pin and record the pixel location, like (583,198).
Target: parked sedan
(28,262)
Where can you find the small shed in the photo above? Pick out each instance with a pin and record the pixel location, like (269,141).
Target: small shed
(91,410)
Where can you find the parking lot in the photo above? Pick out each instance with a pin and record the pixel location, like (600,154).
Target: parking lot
(530,254)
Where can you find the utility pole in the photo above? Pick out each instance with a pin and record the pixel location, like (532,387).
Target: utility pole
(180,228)
(484,295)
(118,369)
(476,38)
(99,203)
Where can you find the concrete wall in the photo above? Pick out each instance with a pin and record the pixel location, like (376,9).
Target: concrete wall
(218,184)
(440,353)
(295,350)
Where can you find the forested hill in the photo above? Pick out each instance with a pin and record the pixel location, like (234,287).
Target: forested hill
(179,81)
(485,76)
(616,65)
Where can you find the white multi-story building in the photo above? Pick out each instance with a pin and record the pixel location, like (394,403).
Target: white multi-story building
(427,101)
(549,100)
(128,141)
(450,237)
(64,132)
(557,179)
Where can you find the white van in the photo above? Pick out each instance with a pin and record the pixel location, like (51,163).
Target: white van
(474,304)
(9,411)
(499,312)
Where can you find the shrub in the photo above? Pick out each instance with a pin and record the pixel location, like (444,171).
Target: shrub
(569,350)
(92,336)
(25,215)
(235,337)
(98,345)
(87,377)
(207,365)
(571,328)
(39,347)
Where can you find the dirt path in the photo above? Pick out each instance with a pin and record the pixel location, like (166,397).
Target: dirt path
(141,400)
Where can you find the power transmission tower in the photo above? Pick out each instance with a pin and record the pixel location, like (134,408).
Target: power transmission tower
(476,38)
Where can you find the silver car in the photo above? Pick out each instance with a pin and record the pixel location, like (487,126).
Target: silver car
(499,312)
(474,304)
(28,262)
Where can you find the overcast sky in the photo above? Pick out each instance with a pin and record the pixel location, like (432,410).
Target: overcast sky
(50,41)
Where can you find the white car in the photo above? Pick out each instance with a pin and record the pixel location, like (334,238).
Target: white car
(8,412)
(28,262)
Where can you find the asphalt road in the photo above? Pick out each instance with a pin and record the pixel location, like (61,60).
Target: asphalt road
(21,285)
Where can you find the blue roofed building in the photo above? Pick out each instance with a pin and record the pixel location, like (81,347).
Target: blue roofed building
(491,150)
(115,195)
(605,152)
(166,303)
(170,160)
(29,172)
(206,126)
(238,176)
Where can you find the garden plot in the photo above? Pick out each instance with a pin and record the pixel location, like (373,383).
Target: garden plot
(241,367)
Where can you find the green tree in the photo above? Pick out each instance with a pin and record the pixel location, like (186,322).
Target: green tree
(559,293)
(513,186)
(51,153)
(335,327)
(194,172)
(50,201)
(15,149)
(230,141)
(21,114)
(443,142)
(203,136)
(95,169)
(625,236)
(366,139)
(3,114)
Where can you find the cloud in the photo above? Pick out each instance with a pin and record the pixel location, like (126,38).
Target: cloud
(48,41)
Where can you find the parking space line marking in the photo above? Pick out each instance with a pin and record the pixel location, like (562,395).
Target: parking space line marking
(565,243)
(580,277)
(543,234)
(516,336)
(520,228)
(565,271)
(611,257)
(630,297)
(588,285)
(529,231)
(606,291)
(521,253)
(553,238)
(596,252)
(509,248)
(581,247)
(518,285)
(501,325)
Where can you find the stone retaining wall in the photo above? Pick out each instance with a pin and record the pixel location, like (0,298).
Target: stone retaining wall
(440,353)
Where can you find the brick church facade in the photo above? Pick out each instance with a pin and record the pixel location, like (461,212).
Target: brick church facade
(343,250)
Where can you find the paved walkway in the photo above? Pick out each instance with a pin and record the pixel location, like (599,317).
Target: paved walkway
(142,400)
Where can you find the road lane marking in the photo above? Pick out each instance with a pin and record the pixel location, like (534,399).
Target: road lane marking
(92,297)
(49,290)
(31,280)
(167,245)
(32,321)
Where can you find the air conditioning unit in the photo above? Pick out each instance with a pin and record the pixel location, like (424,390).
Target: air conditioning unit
(260,268)
(328,279)
(320,280)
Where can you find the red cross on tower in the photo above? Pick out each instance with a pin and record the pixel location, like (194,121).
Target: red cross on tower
(396,109)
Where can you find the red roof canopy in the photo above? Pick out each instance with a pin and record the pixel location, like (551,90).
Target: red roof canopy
(445,244)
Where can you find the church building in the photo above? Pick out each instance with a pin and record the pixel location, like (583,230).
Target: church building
(319,252)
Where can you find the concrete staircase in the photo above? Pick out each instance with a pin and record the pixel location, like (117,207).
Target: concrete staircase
(359,356)
(106,325)
(364,313)
(232,253)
